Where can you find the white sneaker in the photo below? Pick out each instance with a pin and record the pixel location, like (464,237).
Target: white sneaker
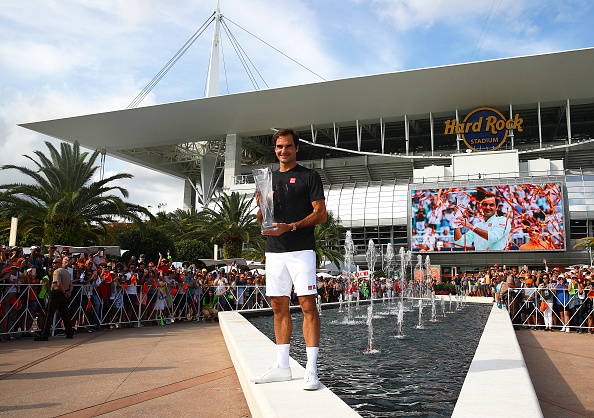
(310,381)
(567,329)
(563,329)
(273,374)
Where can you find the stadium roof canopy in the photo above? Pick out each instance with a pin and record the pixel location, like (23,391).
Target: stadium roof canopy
(172,137)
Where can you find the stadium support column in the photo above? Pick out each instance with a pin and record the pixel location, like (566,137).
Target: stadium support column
(568,120)
(539,127)
(189,196)
(458,137)
(511,131)
(406,134)
(233,147)
(432,133)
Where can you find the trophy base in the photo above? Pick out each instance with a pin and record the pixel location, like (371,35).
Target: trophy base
(267,228)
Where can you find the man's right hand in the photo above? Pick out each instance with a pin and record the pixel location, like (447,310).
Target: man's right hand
(280,229)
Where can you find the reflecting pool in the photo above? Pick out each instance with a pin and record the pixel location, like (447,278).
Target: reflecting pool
(418,374)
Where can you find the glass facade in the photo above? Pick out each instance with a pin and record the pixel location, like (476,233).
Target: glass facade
(371,204)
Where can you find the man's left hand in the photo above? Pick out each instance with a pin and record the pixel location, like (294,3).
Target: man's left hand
(280,229)
(467,224)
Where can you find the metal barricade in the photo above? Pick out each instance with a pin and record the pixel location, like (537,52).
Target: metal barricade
(22,310)
(562,311)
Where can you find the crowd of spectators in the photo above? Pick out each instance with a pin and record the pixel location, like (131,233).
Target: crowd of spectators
(140,292)
(538,299)
(112,294)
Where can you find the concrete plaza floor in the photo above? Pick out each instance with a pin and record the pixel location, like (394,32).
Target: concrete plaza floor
(184,370)
(179,370)
(561,368)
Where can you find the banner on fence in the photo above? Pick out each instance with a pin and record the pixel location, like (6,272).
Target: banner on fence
(435,273)
(356,275)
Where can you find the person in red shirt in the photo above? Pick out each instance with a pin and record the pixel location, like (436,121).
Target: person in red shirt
(164,264)
(29,298)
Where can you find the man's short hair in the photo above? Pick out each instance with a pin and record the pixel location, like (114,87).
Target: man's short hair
(286,132)
(481,194)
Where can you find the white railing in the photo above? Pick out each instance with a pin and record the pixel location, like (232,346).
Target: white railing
(562,312)
(22,310)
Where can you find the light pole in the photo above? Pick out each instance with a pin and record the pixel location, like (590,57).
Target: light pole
(14,222)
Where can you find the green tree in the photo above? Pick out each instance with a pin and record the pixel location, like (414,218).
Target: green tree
(193,250)
(231,221)
(62,204)
(149,241)
(256,250)
(327,237)
(178,223)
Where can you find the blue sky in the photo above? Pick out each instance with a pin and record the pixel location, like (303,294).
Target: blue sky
(69,57)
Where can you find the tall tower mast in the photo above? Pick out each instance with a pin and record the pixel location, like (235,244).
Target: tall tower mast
(212,88)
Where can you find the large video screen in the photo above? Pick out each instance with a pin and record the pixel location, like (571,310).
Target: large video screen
(525,217)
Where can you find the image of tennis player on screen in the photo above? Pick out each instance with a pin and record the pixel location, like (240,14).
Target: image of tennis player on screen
(489,231)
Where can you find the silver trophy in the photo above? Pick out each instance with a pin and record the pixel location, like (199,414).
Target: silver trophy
(263,178)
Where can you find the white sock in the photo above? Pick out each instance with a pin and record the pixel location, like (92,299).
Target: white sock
(282,355)
(312,358)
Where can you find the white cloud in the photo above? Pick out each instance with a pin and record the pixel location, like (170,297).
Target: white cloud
(409,14)
(73,57)
(148,187)
(38,59)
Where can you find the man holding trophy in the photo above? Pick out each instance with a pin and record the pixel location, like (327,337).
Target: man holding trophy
(294,195)
(490,233)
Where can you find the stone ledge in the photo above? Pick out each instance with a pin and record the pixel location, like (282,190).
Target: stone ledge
(497,382)
(252,353)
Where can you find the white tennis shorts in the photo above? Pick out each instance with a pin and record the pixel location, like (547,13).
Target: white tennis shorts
(295,268)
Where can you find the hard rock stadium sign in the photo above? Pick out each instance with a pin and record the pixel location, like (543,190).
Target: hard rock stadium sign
(484,129)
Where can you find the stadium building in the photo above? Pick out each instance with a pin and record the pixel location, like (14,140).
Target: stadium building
(403,156)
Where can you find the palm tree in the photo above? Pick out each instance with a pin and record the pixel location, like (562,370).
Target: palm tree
(63,204)
(257,249)
(231,221)
(178,224)
(587,242)
(327,236)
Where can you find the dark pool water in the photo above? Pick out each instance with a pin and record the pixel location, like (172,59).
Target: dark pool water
(420,374)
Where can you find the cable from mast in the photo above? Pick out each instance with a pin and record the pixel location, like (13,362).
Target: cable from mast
(477,48)
(243,58)
(246,55)
(277,50)
(224,65)
(149,87)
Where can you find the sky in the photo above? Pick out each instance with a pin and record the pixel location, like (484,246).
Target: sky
(63,58)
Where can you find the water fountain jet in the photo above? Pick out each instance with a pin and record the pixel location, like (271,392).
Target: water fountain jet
(420,325)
